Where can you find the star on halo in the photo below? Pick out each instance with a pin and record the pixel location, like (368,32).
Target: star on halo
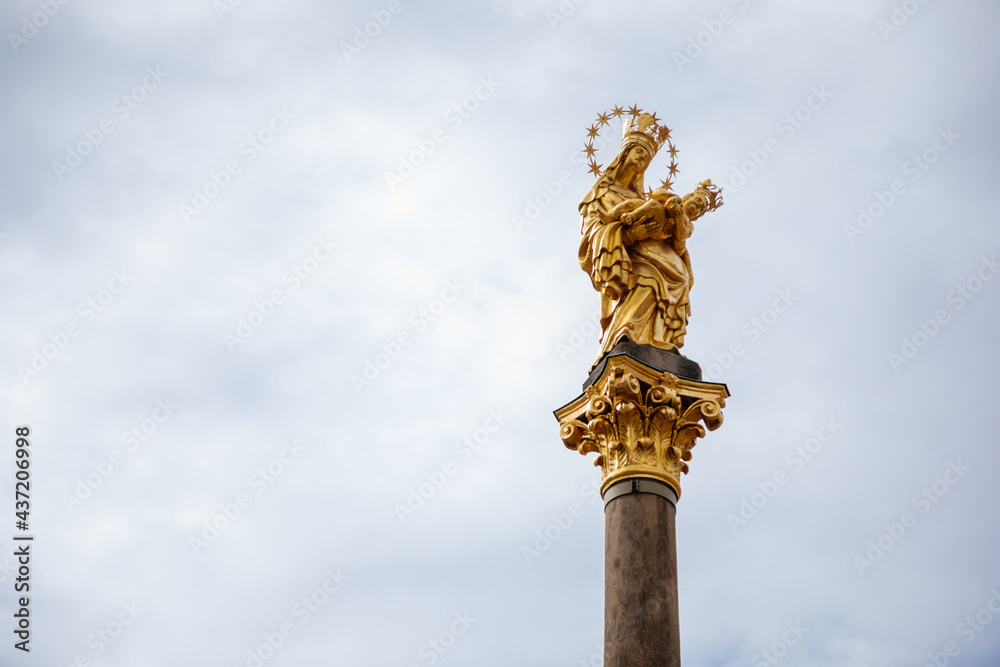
(650,125)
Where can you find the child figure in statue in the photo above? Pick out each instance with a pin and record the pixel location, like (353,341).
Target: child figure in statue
(670,214)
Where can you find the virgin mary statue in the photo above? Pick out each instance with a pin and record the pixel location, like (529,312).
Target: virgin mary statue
(634,250)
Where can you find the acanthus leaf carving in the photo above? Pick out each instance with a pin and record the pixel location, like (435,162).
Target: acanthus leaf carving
(643,425)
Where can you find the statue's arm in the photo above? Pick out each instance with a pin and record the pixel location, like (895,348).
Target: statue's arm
(627,206)
(650,209)
(644,222)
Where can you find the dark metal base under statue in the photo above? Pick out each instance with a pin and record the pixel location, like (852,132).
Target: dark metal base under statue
(670,361)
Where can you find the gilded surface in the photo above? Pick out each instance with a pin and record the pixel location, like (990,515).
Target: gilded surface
(641,422)
(634,244)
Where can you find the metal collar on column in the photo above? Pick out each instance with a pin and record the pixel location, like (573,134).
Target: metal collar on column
(640,485)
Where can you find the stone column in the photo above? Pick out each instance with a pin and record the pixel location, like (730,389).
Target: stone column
(642,419)
(641,617)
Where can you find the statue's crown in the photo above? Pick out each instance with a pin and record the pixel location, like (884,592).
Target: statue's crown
(637,126)
(645,126)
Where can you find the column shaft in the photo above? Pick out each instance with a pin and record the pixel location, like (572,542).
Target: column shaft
(641,617)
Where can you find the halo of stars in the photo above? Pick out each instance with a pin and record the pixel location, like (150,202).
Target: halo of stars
(661,135)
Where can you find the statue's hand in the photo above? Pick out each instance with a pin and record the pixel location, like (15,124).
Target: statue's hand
(641,231)
(627,218)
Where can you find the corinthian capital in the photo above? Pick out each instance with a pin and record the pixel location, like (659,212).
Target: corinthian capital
(641,422)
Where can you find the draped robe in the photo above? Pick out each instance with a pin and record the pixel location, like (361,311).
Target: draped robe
(644,287)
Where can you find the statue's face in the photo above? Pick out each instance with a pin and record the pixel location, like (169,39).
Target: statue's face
(695,208)
(638,157)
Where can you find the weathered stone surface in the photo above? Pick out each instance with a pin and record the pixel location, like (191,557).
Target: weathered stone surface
(641,626)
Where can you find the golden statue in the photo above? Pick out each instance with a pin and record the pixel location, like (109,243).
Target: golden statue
(634,242)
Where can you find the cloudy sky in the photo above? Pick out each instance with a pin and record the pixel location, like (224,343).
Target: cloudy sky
(290,291)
